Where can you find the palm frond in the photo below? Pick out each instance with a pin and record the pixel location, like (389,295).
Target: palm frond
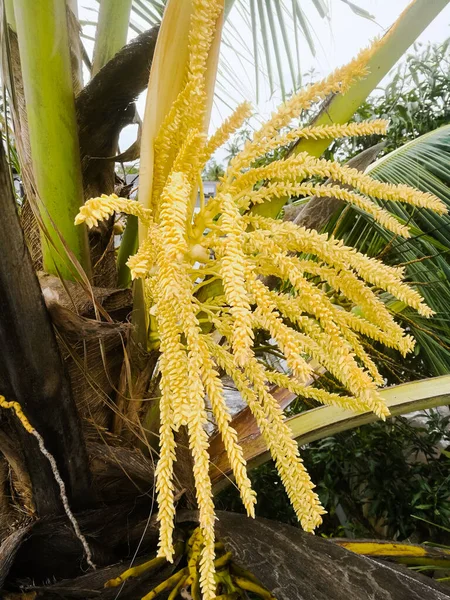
(325,421)
(422,163)
(361,12)
(271,26)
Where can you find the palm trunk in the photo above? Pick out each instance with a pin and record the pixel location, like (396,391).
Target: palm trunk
(32,372)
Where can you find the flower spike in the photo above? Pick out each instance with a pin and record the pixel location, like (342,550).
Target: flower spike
(204,279)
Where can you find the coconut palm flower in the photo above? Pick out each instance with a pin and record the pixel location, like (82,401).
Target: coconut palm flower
(203,272)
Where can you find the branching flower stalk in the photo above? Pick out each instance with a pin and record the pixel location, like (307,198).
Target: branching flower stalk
(231,580)
(223,241)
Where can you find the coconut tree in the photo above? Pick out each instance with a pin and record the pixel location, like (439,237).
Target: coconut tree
(123,373)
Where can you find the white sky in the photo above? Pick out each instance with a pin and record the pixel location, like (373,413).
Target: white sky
(337,40)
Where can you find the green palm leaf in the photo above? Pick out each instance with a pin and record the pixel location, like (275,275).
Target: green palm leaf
(423,163)
(325,421)
(264,34)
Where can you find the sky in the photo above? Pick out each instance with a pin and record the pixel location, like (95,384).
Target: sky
(337,40)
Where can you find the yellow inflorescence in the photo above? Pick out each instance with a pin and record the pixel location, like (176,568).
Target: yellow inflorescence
(376,127)
(232,268)
(99,209)
(203,273)
(228,127)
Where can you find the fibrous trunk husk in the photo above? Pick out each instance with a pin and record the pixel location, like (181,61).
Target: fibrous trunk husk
(32,372)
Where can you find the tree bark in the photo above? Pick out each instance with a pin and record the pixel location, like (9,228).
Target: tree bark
(32,372)
(106,105)
(295,565)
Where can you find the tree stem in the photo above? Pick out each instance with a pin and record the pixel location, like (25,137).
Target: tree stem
(47,79)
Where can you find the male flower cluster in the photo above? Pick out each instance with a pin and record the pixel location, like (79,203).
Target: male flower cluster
(203,273)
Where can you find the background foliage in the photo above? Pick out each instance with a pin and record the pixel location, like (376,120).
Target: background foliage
(416,100)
